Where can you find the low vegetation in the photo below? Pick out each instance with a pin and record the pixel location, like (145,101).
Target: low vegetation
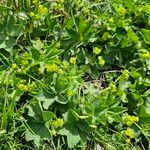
(74,74)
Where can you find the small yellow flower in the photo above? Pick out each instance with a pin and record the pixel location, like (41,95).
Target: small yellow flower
(54,133)
(36,17)
(121,11)
(26,54)
(35,1)
(129,120)
(101,61)
(73,60)
(96,50)
(60,71)
(70,93)
(14,66)
(58,45)
(24,63)
(111,20)
(23,81)
(22,70)
(126,73)
(57,123)
(51,67)
(129,132)
(128,141)
(23,87)
(144,54)
(43,9)
(60,122)
(31,86)
(32,14)
(135,119)
(105,36)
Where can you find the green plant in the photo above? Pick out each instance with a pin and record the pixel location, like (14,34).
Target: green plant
(74,74)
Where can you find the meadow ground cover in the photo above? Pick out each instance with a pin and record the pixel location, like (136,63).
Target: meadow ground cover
(74,74)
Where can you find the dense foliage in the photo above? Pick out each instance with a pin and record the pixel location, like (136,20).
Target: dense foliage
(74,74)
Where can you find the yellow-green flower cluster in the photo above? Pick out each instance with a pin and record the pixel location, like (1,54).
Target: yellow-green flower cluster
(14,66)
(34,16)
(58,4)
(96,50)
(128,140)
(129,133)
(60,71)
(126,74)
(111,20)
(35,1)
(25,88)
(105,36)
(54,133)
(129,120)
(51,67)
(54,68)
(73,60)
(70,93)
(22,69)
(57,123)
(42,9)
(121,11)
(144,54)
(101,61)
(24,63)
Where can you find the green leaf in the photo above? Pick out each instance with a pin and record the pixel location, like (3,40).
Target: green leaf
(35,121)
(61,86)
(130,39)
(36,55)
(52,53)
(46,98)
(63,131)
(37,44)
(10,43)
(77,116)
(144,115)
(61,99)
(73,34)
(2,7)
(135,74)
(146,35)
(72,134)
(73,138)
(30,111)
(144,112)
(118,110)
(130,5)
(84,126)
(47,115)
(39,128)
(146,82)
(32,137)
